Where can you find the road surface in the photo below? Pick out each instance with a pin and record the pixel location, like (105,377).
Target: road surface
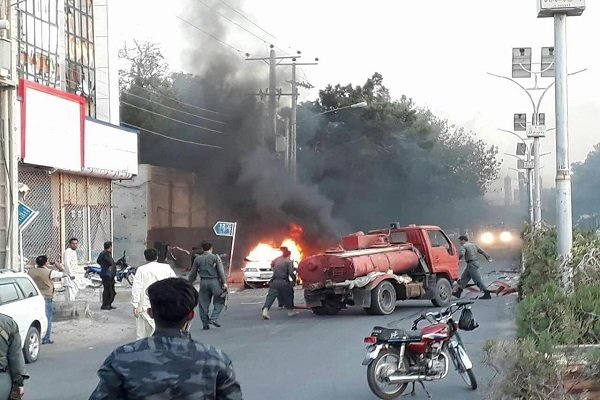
(301,358)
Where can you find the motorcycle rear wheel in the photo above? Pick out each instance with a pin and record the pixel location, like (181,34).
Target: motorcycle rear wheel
(129,278)
(385,363)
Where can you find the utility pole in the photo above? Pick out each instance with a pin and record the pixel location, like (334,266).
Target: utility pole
(293,141)
(9,223)
(559,10)
(270,133)
(274,94)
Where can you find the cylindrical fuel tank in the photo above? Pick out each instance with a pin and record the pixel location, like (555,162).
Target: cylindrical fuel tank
(348,265)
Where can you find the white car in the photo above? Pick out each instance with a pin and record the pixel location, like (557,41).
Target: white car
(21,299)
(257,273)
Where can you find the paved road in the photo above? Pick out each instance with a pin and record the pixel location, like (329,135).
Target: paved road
(305,357)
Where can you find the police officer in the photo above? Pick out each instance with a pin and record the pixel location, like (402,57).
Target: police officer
(12,363)
(469,252)
(282,284)
(213,285)
(169,364)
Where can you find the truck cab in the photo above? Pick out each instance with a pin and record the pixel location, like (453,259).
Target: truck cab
(376,269)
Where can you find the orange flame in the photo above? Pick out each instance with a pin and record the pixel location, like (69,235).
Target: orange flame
(266,252)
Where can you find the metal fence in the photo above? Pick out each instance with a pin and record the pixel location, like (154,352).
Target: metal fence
(69,206)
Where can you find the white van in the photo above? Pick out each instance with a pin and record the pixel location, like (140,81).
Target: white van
(21,299)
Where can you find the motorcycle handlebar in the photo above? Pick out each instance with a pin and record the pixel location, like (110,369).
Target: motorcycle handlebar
(437,316)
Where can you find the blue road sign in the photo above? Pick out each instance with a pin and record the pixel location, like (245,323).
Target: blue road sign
(224,228)
(25,214)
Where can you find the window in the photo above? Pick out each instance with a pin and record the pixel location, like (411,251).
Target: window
(38,42)
(79,39)
(28,288)
(8,292)
(398,237)
(439,239)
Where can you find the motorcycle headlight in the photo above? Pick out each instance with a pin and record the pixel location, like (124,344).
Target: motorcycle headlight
(506,237)
(487,238)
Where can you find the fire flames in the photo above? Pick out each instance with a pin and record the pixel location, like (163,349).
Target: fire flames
(268,252)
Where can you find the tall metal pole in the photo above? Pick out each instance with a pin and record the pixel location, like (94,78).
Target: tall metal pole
(293,142)
(564,211)
(272,124)
(537,189)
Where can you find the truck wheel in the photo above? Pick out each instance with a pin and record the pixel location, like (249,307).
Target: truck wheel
(443,293)
(383,299)
(328,307)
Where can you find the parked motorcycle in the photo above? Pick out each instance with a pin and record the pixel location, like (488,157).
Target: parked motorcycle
(124,271)
(396,357)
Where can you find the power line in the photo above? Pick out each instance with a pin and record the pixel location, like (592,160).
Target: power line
(171,138)
(175,109)
(232,21)
(172,119)
(177,100)
(247,19)
(210,34)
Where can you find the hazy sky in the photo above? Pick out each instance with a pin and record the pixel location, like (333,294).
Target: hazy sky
(436,52)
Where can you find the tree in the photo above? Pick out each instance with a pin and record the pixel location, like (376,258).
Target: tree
(392,159)
(586,184)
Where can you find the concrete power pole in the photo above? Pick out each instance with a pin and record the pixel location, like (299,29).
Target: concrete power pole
(564,217)
(9,223)
(272,124)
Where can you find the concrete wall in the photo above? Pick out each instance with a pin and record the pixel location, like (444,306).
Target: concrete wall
(130,216)
(163,205)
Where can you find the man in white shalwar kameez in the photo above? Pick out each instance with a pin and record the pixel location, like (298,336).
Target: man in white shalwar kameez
(145,276)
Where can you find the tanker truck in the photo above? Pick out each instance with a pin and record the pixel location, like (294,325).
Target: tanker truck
(376,269)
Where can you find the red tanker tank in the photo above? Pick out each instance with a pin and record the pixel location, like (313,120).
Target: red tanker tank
(358,256)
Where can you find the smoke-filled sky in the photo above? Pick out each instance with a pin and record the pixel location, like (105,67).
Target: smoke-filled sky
(436,52)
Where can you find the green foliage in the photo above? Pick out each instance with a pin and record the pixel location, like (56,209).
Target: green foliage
(393,156)
(541,267)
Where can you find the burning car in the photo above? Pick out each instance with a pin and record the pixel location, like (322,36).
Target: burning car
(257,268)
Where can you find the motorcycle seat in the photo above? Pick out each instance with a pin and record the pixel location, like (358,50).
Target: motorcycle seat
(396,335)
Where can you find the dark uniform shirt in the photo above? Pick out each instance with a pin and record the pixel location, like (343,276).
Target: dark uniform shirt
(283,269)
(106,262)
(469,251)
(208,266)
(11,350)
(169,365)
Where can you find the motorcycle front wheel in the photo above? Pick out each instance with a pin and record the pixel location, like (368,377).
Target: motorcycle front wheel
(95,280)
(466,375)
(469,378)
(384,365)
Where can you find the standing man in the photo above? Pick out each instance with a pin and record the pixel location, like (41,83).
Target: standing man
(109,269)
(282,284)
(169,364)
(12,363)
(145,276)
(213,285)
(469,252)
(70,262)
(44,277)
(70,259)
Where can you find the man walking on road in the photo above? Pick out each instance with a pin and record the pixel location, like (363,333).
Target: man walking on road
(469,252)
(44,277)
(282,284)
(145,276)
(169,364)
(12,363)
(213,285)
(109,269)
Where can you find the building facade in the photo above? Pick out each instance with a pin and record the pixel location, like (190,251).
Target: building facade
(66,116)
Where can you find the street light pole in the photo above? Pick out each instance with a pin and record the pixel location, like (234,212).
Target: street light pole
(564,222)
